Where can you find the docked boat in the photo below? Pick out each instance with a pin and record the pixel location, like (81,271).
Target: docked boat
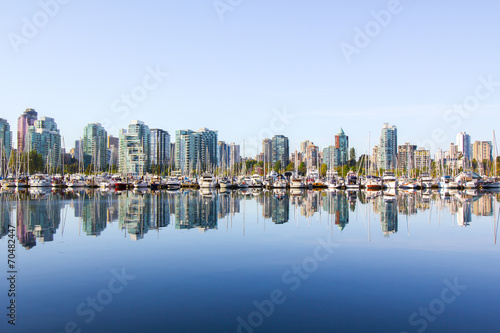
(297,182)
(208,181)
(8,182)
(58,181)
(489,183)
(352,181)
(408,184)
(40,180)
(77,181)
(140,183)
(426,181)
(244,182)
(280,182)
(389,180)
(466,180)
(448,183)
(173,183)
(256,181)
(22,182)
(373,183)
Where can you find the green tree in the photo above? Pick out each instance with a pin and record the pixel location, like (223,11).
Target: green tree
(277,166)
(303,168)
(474,164)
(290,167)
(324,169)
(36,163)
(250,164)
(352,157)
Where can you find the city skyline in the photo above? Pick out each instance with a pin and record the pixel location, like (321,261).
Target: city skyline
(461,139)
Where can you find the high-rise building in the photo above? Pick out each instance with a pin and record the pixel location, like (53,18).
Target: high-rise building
(423,159)
(303,147)
(26,120)
(222,155)
(135,148)
(44,138)
(328,157)
(439,156)
(388,148)
(113,149)
(266,149)
(195,150)
(234,154)
(341,151)
(228,154)
(464,145)
(5,140)
(482,150)
(280,150)
(95,147)
(374,159)
(406,157)
(160,147)
(312,157)
(78,154)
(296,158)
(208,147)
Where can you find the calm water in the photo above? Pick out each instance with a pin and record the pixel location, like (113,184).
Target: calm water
(252,261)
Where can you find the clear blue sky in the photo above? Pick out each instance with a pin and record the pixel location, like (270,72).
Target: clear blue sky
(230,75)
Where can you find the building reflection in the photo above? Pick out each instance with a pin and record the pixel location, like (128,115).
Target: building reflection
(38,217)
(5,215)
(275,206)
(40,213)
(388,209)
(337,205)
(196,210)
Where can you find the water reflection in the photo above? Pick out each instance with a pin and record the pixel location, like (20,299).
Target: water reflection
(39,214)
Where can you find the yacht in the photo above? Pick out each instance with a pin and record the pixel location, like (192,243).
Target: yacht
(244,183)
(426,181)
(408,184)
(208,181)
(280,182)
(21,182)
(173,183)
(297,182)
(489,183)
(373,183)
(140,183)
(448,183)
(352,181)
(8,182)
(467,181)
(40,180)
(389,180)
(76,181)
(257,181)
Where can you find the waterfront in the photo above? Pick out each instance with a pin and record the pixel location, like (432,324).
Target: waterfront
(199,259)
